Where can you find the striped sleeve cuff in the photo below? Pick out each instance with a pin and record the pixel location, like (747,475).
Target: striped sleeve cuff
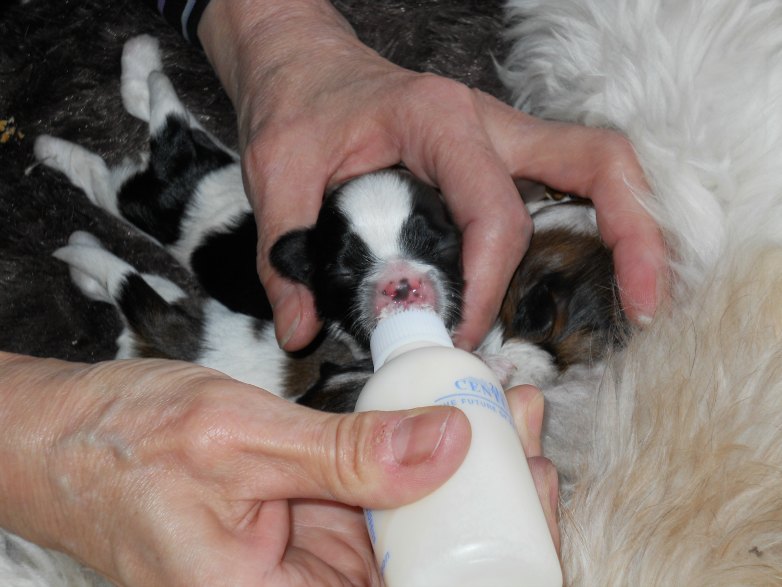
(183,15)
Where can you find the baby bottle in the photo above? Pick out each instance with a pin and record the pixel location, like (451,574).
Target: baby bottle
(484,527)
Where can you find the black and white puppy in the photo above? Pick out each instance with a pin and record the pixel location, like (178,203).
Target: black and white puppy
(381,240)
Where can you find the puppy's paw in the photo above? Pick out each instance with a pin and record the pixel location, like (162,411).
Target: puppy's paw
(140,57)
(502,366)
(94,270)
(83,168)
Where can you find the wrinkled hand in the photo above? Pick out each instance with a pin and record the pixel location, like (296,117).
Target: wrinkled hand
(165,473)
(316,107)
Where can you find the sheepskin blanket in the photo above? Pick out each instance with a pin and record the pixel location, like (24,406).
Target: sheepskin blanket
(681,482)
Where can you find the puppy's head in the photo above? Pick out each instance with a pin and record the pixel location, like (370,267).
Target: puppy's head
(382,241)
(563,296)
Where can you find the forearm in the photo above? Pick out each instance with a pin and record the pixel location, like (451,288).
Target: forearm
(37,401)
(263,37)
(72,449)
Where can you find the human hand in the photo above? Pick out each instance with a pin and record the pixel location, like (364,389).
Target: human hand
(165,473)
(527,405)
(317,107)
(601,165)
(313,114)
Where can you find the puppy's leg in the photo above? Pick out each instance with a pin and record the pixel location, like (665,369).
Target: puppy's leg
(181,157)
(140,57)
(84,169)
(163,104)
(159,321)
(95,271)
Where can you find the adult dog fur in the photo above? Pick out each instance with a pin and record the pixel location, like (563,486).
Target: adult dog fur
(680,483)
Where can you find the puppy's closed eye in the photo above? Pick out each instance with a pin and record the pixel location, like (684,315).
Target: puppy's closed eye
(541,312)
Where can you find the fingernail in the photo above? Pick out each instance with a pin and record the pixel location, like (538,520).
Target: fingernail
(657,291)
(534,419)
(552,482)
(282,314)
(416,438)
(640,309)
(646,308)
(643,319)
(285,338)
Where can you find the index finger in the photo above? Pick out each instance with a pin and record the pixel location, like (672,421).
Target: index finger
(496,233)
(600,165)
(486,206)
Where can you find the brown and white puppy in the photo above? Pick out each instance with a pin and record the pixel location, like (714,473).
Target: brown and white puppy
(563,296)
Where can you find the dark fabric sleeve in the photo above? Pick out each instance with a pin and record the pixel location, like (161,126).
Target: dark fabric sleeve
(183,15)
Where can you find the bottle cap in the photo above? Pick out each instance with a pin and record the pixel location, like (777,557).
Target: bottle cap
(406,327)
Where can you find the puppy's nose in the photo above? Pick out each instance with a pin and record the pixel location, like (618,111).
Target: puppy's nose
(402,290)
(403,287)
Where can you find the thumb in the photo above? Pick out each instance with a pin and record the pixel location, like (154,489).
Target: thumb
(283,198)
(376,459)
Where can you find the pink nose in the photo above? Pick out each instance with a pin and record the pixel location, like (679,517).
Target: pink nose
(403,290)
(403,286)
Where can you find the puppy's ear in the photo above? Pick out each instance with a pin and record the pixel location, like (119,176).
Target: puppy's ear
(541,313)
(290,255)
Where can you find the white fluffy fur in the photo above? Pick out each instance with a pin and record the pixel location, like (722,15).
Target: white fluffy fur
(23,564)
(679,481)
(377,206)
(575,219)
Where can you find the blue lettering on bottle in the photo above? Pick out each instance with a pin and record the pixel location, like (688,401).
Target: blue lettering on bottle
(370,519)
(384,563)
(472,391)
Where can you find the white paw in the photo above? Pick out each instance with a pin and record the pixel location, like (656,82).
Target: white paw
(84,239)
(140,57)
(83,168)
(502,366)
(49,150)
(94,270)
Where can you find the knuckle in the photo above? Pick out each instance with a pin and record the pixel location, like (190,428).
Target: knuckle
(350,444)
(620,155)
(202,431)
(513,226)
(430,90)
